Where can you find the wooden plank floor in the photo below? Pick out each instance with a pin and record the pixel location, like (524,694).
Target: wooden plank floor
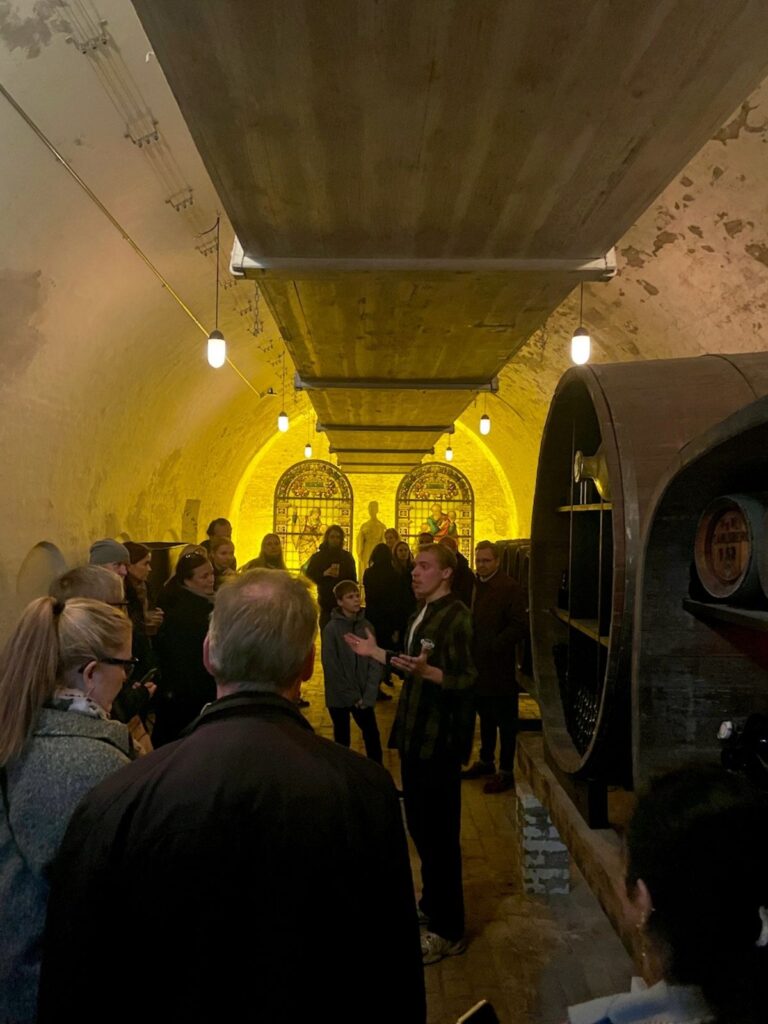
(530,956)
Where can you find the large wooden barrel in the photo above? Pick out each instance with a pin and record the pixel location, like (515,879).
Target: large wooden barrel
(639,416)
(696,662)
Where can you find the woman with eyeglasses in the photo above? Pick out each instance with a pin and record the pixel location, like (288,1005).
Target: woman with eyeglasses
(185,684)
(60,670)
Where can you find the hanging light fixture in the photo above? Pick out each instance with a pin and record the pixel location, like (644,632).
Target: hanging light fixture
(581,343)
(485,419)
(282,419)
(216,349)
(308,445)
(307,450)
(449,453)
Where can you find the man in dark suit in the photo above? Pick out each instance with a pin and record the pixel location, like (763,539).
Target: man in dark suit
(248,871)
(499,620)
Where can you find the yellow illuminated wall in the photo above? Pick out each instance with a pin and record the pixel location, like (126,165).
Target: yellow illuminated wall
(251,514)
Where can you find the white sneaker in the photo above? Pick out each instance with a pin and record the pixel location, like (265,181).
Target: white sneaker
(434,947)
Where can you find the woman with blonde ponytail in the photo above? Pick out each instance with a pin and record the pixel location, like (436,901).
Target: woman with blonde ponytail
(59,672)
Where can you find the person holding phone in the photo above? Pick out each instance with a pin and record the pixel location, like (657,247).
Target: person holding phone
(329,565)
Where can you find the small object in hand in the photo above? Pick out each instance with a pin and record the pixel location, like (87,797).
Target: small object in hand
(427,646)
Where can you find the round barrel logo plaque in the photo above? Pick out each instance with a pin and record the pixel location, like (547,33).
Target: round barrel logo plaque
(729,546)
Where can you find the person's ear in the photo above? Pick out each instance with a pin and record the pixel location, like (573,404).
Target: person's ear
(207,655)
(88,674)
(308,665)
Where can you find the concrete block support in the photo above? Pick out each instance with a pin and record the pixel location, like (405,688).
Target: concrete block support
(543,855)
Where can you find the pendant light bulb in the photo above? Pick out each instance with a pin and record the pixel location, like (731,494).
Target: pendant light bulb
(581,343)
(216,350)
(307,450)
(581,346)
(282,422)
(485,423)
(449,454)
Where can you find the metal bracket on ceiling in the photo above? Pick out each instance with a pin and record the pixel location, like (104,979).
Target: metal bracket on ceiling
(591,268)
(382,467)
(395,428)
(392,384)
(381,451)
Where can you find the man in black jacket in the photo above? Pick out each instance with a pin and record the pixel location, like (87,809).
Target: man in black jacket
(329,565)
(253,870)
(499,620)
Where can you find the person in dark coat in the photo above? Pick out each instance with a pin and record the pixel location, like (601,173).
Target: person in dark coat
(329,565)
(499,620)
(264,846)
(464,581)
(185,684)
(382,595)
(403,563)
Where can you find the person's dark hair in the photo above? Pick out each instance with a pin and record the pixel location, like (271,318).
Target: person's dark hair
(493,548)
(330,530)
(444,556)
(381,555)
(699,842)
(345,587)
(221,521)
(136,551)
(425,538)
(396,561)
(186,565)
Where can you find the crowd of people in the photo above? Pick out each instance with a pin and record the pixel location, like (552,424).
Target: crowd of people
(161,789)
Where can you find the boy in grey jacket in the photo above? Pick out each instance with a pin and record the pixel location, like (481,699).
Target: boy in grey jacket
(351,683)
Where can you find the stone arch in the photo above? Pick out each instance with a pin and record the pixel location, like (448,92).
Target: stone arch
(43,563)
(309,497)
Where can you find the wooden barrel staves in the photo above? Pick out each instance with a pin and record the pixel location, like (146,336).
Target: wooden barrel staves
(730,537)
(631,420)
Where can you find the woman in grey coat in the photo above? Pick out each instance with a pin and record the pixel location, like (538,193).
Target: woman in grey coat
(59,672)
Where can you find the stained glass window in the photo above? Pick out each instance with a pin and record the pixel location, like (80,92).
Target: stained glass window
(309,497)
(436,499)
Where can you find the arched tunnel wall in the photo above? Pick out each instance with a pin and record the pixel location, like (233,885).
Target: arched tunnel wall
(111,420)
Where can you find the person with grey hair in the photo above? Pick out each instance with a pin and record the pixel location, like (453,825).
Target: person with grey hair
(100,584)
(92,581)
(218,826)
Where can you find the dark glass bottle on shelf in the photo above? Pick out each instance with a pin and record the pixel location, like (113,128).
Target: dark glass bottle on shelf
(562,592)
